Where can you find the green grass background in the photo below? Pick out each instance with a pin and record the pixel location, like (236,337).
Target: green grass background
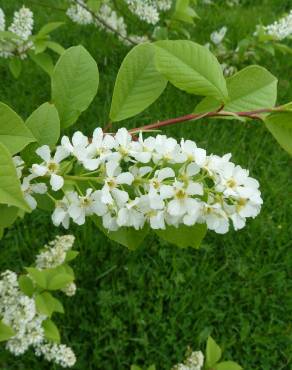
(147,306)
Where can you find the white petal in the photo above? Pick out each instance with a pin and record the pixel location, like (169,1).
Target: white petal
(79,139)
(39,170)
(56,182)
(193,169)
(61,154)
(111,168)
(30,201)
(58,216)
(166,191)
(121,197)
(157,222)
(44,152)
(65,142)
(91,164)
(39,188)
(125,178)
(106,196)
(165,173)
(75,211)
(194,188)
(176,208)
(200,156)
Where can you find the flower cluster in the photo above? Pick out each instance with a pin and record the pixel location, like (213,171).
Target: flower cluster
(54,255)
(155,181)
(19,311)
(149,10)
(194,361)
(280,29)
(21,27)
(106,15)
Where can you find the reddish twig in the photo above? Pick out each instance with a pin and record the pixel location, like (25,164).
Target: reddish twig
(193,117)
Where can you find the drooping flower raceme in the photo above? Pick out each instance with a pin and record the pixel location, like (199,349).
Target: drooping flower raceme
(21,27)
(79,12)
(155,180)
(148,10)
(20,313)
(280,29)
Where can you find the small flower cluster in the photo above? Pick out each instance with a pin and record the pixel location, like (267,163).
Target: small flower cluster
(280,29)
(194,361)
(79,14)
(22,27)
(155,181)
(149,10)
(54,255)
(19,311)
(218,36)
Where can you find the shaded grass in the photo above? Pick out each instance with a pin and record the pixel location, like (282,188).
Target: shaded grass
(148,306)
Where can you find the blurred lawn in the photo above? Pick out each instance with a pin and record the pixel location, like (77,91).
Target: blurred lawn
(147,306)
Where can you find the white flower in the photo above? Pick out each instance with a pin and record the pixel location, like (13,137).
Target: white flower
(99,150)
(30,189)
(168,150)
(193,153)
(183,203)
(156,201)
(215,218)
(130,216)
(218,36)
(61,215)
(82,206)
(51,165)
(78,146)
(154,216)
(70,290)
(57,353)
(114,178)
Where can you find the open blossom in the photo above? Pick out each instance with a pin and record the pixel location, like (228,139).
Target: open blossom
(218,36)
(51,165)
(30,189)
(155,180)
(2,20)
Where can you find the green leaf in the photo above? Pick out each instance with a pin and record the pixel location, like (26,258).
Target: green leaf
(280,126)
(40,46)
(183,11)
(191,67)
(249,89)
(1,232)
(136,367)
(10,190)
(15,67)
(59,281)
(13,132)
(94,5)
(9,35)
(44,123)
(7,215)
(57,48)
(46,304)
(227,365)
(71,255)
(48,28)
(184,236)
(74,84)
(26,285)
(38,276)
(126,236)
(5,332)
(138,83)
(213,352)
(44,61)
(51,331)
